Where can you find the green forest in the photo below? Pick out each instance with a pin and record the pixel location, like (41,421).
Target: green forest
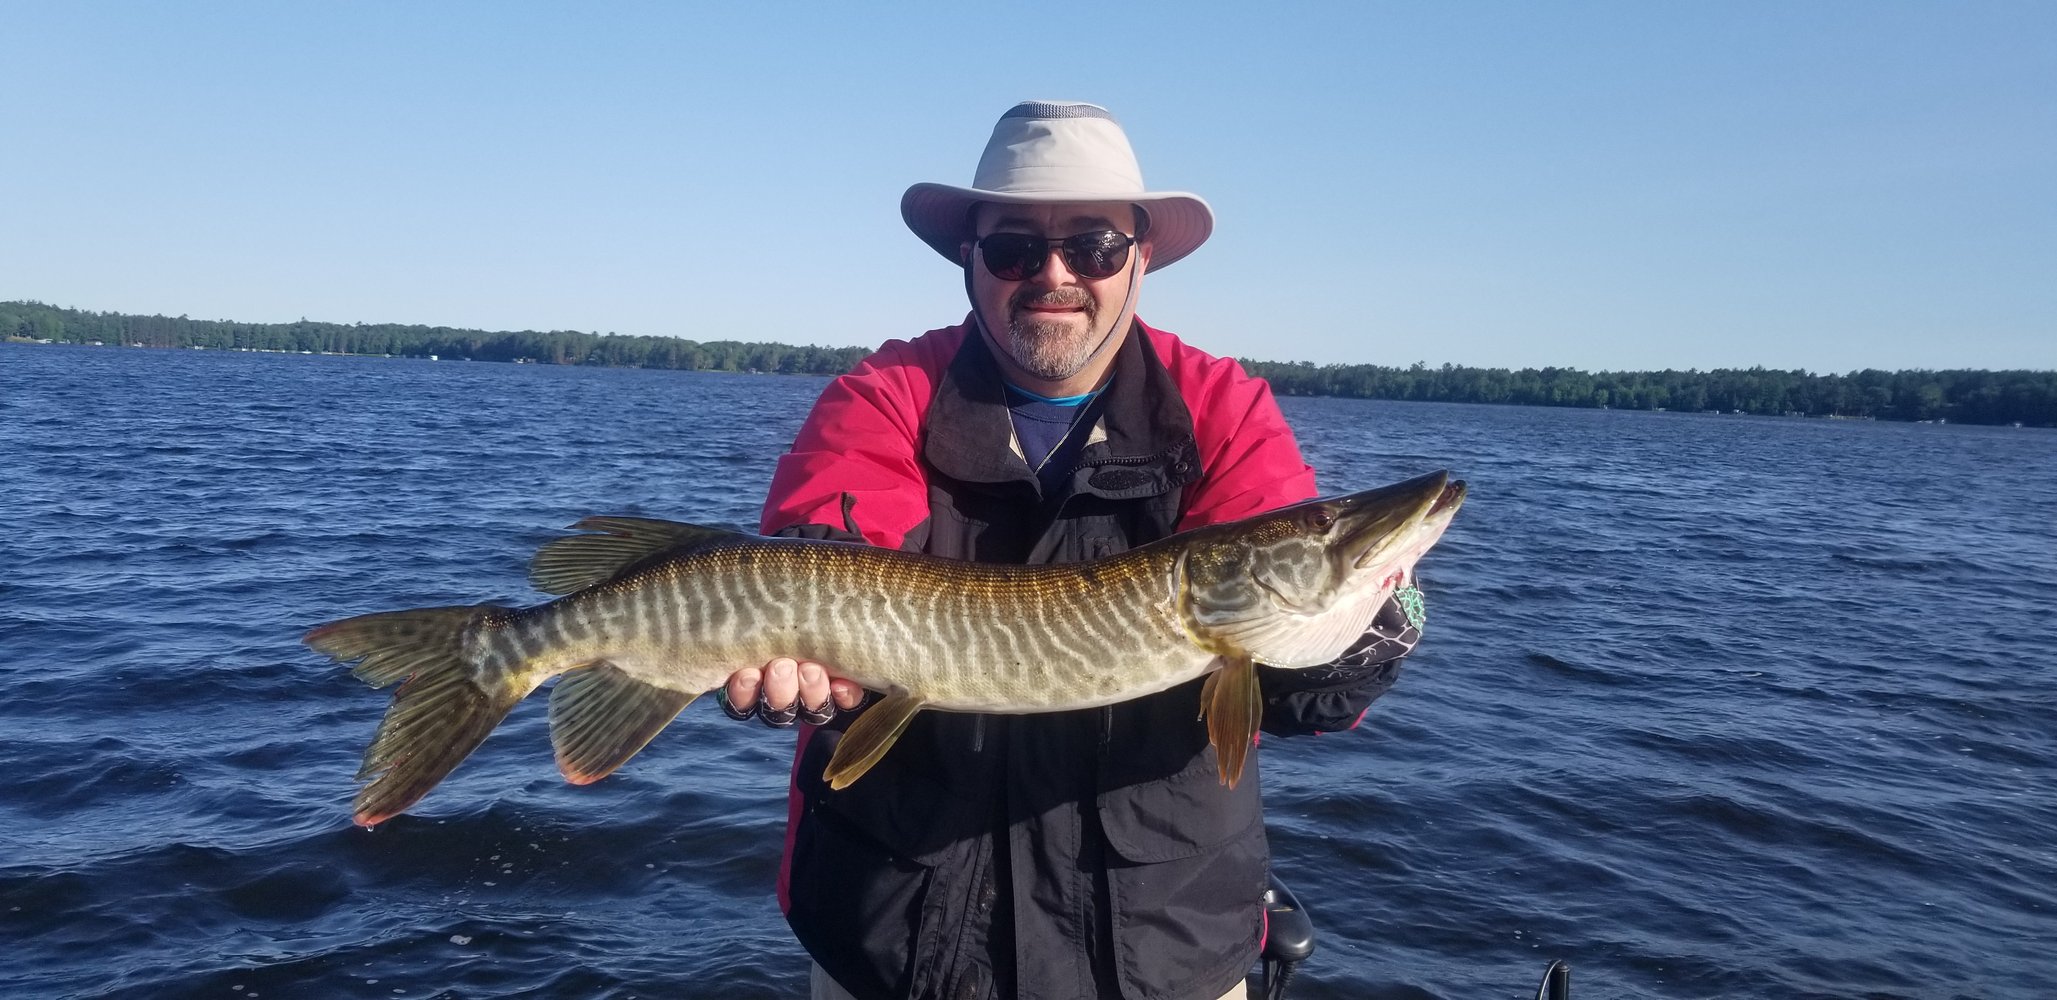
(38,322)
(1958,396)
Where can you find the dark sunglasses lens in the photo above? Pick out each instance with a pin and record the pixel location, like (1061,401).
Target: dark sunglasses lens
(1014,256)
(1096,255)
(1019,256)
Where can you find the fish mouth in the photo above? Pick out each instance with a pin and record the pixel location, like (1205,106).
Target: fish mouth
(1390,523)
(1447,502)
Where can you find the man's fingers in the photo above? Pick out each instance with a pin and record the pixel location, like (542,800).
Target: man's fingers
(781,684)
(847,694)
(785,684)
(814,685)
(743,687)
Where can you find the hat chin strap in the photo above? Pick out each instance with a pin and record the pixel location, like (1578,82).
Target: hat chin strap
(1128,302)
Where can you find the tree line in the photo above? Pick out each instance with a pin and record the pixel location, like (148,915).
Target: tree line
(1971,396)
(1958,395)
(35,321)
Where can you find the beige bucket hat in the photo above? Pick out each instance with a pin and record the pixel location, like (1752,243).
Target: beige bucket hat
(1045,152)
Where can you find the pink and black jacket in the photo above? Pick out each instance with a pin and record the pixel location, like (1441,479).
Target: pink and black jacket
(1076,854)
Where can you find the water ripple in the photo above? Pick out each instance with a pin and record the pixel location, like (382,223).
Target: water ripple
(1709,706)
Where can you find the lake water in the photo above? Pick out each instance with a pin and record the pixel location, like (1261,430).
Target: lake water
(1709,706)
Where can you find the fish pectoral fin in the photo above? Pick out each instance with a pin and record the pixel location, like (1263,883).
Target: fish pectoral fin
(1233,707)
(600,717)
(869,737)
(612,544)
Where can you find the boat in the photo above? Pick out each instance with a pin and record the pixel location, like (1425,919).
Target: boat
(1289,941)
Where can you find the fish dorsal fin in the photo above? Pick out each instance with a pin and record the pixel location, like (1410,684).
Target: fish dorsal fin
(600,717)
(868,739)
(1234,708)
(613,544)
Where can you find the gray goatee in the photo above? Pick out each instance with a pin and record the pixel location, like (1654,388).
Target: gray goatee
(1054,349)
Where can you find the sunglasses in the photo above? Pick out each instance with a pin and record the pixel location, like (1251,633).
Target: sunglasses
(1019,256)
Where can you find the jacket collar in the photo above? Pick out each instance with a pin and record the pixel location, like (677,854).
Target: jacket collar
(1143,447)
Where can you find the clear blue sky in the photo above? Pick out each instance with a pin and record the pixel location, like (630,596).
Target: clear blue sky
(1627,185)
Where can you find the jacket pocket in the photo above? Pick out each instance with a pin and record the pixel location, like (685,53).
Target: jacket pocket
(1185,889)
(1181,816)
(1160,796)
(856,904)
(902,806)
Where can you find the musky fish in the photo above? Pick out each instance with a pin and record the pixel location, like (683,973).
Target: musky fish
(656,613)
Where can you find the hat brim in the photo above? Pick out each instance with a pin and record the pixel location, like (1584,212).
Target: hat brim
(940,215)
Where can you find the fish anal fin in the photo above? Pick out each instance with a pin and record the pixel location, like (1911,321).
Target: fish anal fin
(611,545)
(600,717)
(1234,708)
(868,739)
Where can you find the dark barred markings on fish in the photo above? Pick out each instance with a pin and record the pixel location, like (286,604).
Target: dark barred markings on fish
(655,613)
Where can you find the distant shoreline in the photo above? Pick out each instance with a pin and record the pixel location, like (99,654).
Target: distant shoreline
(2010,397)
(347,354)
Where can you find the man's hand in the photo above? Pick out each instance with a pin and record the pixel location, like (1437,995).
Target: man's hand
(786,690)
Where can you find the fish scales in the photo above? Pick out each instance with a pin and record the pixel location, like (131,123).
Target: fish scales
(988,642)
(655,613)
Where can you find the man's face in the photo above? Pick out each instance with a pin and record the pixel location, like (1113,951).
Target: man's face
(1053,323)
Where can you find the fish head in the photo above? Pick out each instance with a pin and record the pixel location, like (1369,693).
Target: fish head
(1293,587)
(1384,532)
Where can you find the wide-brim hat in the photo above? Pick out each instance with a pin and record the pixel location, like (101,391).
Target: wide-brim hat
(1057,152)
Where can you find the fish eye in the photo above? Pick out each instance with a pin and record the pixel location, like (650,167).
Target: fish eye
(1322,519)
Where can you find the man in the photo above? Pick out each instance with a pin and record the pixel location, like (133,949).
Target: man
(1079,854)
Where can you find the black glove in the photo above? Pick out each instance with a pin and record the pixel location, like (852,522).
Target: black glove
(1334,696)
(1392,635)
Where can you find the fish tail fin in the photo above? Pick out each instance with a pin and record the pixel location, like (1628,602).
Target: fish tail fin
(447,703)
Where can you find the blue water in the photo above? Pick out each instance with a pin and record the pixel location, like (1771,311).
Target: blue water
(1709,706)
